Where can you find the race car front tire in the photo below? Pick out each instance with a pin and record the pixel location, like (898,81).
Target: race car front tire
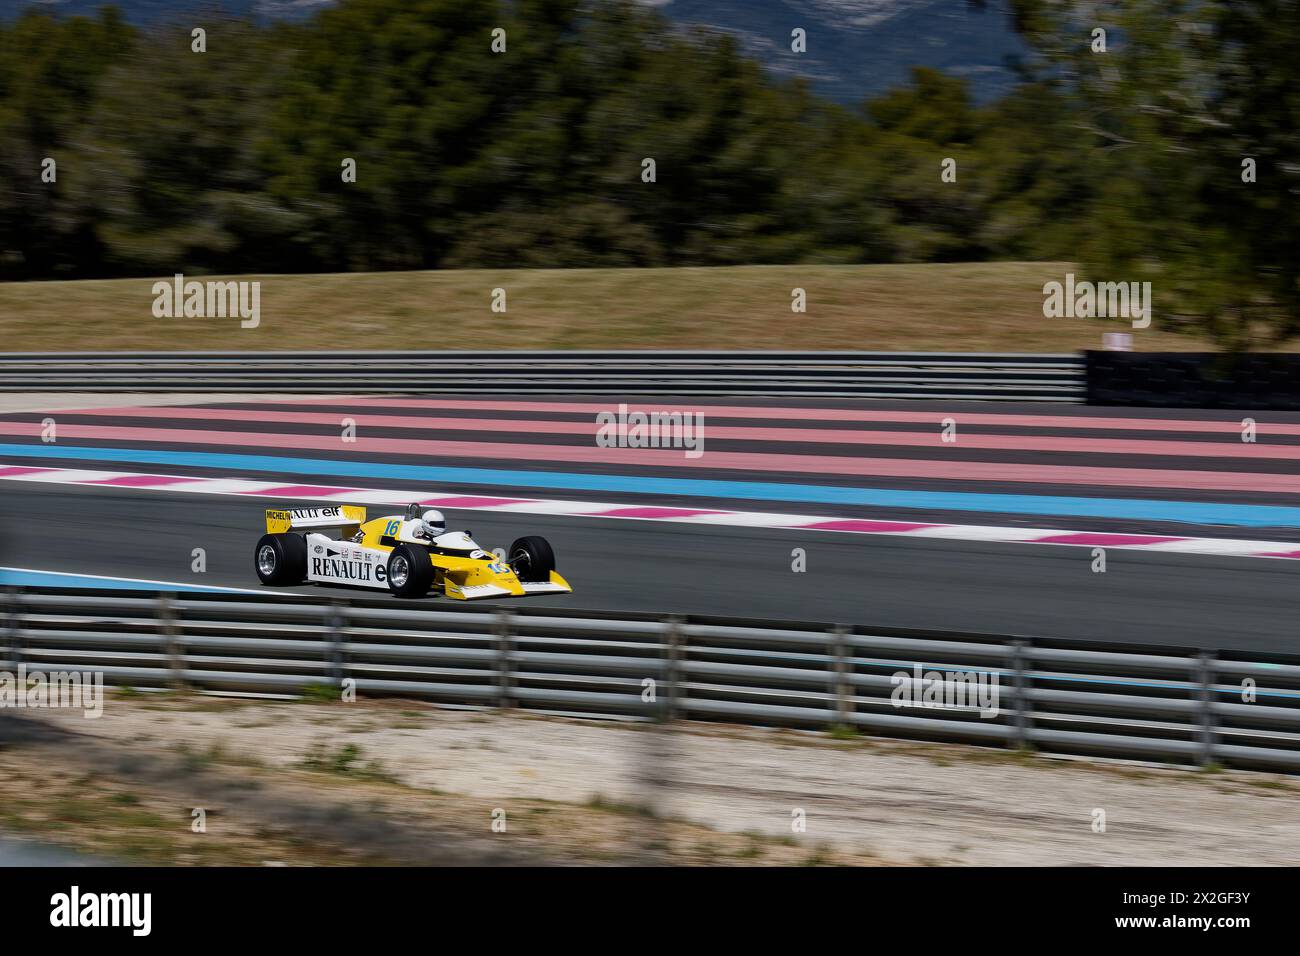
(281,559)
(532,558)
(410,572)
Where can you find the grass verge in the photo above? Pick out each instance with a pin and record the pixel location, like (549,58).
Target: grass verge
(938,307)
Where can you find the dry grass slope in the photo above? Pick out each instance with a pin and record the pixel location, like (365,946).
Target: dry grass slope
(947,307)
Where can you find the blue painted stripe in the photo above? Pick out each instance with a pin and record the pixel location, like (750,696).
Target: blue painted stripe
(1194,512)
(13,577)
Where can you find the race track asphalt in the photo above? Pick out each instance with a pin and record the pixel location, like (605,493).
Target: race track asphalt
(1143,598)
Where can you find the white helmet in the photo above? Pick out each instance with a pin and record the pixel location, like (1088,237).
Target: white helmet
(433,523)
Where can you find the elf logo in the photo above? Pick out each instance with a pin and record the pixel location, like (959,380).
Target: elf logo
(134,910)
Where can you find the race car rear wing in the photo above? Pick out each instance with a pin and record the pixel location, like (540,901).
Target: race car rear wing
(347,517)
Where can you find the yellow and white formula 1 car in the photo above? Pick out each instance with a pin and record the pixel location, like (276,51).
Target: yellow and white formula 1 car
(409,555)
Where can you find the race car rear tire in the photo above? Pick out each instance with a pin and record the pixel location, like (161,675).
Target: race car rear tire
(531,558)
(410,572)
(281,559)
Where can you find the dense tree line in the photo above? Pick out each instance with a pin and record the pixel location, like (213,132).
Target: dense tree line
(1190,123)
(231,160)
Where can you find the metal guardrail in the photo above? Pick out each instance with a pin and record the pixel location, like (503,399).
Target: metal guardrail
(1152,704)
(939,375)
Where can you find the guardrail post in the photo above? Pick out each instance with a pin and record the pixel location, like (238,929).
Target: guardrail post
(336,626)
(171,634)
(1022,715)
(841,686)
(656,755)
(502,631)
(12,629)
(674,640)
(1205,695)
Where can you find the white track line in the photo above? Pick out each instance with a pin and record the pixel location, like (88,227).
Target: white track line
(189,484)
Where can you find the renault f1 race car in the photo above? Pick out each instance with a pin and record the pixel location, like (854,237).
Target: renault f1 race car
(410,555)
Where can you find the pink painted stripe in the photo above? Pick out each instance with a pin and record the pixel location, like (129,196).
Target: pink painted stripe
(672,459)
(12,470)
(1104,540)
(472,501)
(796,413)
(649,512)
(1235,449)
(143,481)
(303,491)
(869,527)
(1269,549)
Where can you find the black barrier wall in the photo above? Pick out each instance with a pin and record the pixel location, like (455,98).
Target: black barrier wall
(1193,379)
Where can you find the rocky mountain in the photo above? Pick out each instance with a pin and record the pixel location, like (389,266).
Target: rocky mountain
(855,48)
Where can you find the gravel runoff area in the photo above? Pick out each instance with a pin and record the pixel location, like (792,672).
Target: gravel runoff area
(862,800)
